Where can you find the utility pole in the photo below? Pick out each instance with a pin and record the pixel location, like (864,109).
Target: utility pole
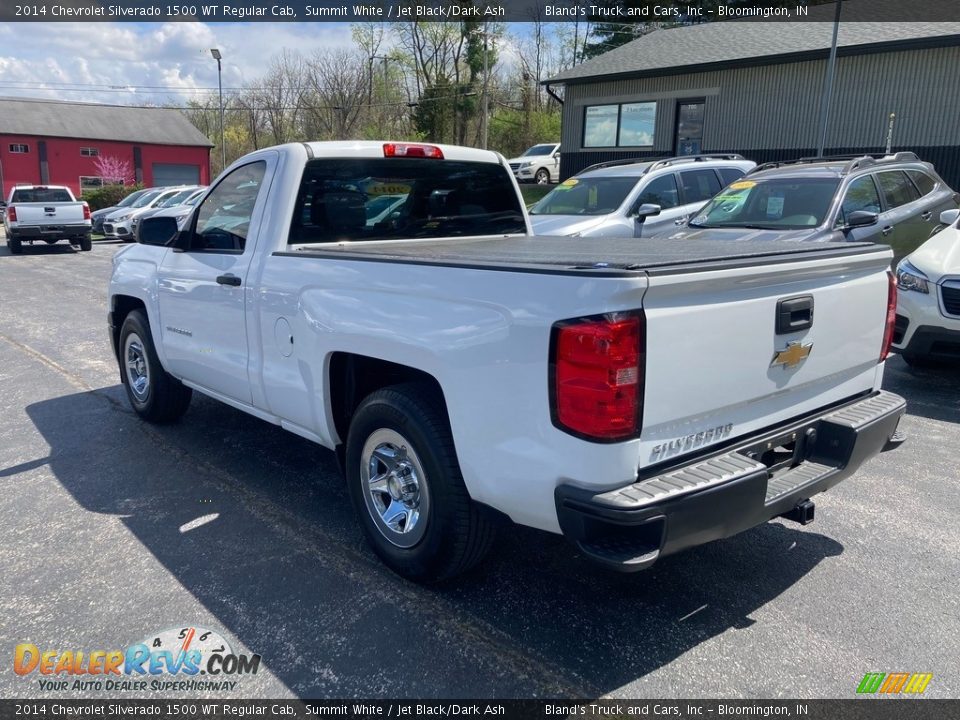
(827,96)
(223,148)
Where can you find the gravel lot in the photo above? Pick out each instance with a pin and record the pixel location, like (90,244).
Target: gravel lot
(93,556)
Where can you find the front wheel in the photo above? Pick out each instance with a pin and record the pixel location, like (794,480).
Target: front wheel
(543,176)
(154,394)
(406,487)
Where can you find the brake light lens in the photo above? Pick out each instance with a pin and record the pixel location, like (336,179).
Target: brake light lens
(891,316)
(12,214)
(86,211)
(412,150)
(597,368)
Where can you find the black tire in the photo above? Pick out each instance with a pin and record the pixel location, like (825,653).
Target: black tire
(14,246)
(86,244)
(457,532)
(542,177)
(917,361)
(164,398)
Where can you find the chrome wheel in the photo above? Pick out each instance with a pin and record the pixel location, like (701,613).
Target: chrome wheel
(138,371)
(543,176)
(394,487)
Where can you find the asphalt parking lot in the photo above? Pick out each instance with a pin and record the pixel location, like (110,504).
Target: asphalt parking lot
(98,553)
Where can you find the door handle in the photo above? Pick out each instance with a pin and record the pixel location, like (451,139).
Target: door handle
(228,279)
(927,215)
(887,230)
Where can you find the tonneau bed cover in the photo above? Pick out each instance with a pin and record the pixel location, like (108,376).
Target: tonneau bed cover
(567,254)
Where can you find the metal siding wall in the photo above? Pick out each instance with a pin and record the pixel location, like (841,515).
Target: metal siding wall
(774,110)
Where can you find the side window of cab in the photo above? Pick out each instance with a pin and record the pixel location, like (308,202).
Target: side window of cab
(223,219)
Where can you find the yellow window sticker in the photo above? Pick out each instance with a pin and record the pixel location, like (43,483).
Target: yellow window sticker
(567,184)
(380,188)
(743,185)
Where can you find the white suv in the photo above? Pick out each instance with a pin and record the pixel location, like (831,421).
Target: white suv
(635,198)
(928,298)
(539,164)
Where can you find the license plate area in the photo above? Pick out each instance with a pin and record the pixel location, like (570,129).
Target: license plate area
(785,451)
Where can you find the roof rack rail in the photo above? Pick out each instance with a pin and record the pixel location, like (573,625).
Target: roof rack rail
(663,162)
(614,163)
(855,161)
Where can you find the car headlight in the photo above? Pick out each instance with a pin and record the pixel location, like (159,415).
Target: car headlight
(121,218)
(526,163)
(909,278)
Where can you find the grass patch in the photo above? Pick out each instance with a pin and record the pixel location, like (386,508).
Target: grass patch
(532,193)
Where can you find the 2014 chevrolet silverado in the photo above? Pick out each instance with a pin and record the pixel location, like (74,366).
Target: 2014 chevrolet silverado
(46,213)
(638,396)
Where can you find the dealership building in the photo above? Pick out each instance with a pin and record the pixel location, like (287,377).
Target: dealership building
(755,88)
(49,142)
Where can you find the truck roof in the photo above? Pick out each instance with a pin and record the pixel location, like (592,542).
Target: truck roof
(374,149)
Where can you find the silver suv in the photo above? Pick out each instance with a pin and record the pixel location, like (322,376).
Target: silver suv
(628,198)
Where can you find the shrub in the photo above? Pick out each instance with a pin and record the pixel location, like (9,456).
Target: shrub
(108,195)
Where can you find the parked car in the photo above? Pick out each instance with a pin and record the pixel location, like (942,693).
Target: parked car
(97,217)
(120,223)
(465,371)
(171,201)
(180,212)
(928,304)
(895,199)
(539,164)
(630,198)
(47,213)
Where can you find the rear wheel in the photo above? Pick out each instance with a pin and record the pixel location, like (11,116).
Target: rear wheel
(407,489)
(86,244)
(542,176)
(153,393)
(14,246)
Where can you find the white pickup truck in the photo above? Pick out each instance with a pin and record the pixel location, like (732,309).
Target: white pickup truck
(47,213)
(639,397)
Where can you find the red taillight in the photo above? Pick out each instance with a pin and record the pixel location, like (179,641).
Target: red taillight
(891,316)
(12,214)
(412,150)
(86,211)
(598,376)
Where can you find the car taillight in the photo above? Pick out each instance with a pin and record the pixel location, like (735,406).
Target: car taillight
(12,214)
(86,211)
(597,376)
(412,150)
(891,316)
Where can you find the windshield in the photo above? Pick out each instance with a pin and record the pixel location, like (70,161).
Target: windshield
(345,199)
(195,198)
(131,198)
(176,198)
(41,195)
(539,150)
(145,199)
(585,196)
(780,203)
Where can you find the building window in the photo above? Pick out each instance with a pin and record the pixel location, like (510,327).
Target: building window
(19,148)
(90,182)
(89,152)
(626,125)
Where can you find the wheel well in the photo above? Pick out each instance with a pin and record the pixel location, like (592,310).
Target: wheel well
(123,305)
(353,377)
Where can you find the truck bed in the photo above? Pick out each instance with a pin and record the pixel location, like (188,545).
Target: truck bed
(595,256)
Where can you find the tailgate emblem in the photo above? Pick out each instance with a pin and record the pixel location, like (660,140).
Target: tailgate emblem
(792,355)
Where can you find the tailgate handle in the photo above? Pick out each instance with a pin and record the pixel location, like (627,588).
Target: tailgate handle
(794,314)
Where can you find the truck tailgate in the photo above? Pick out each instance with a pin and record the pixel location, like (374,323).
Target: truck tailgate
(718,365)
(49,213)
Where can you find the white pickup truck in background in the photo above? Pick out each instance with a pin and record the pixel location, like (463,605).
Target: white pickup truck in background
(639,397)
(47,213)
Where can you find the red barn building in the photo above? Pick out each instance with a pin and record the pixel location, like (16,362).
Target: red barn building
(48,142)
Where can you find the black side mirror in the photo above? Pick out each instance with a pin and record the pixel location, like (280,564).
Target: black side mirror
(644,211)
(860,218)
(158,231)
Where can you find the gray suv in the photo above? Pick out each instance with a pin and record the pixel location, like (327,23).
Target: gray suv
(894,199)
(631,198)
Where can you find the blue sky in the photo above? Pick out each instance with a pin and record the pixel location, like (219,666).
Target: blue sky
(44,59)
(34,56)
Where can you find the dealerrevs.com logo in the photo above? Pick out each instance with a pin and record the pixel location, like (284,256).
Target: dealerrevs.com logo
(170,660)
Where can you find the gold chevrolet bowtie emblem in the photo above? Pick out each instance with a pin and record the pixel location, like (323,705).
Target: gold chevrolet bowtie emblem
(792,355)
